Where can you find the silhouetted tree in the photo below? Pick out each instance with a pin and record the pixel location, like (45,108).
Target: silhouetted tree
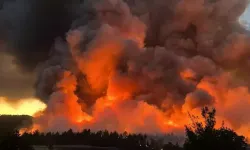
(204,136)
(122,141)
(171,146)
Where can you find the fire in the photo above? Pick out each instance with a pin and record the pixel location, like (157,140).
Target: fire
(108,79)
(30,130)
(28,106)
(86,117)
(171,123)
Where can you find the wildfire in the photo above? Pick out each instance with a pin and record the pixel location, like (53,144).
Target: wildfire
(108,79)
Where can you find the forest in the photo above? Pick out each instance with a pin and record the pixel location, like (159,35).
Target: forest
(199,136)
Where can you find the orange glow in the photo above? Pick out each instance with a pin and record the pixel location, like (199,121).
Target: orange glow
(171,123)
(30,130)
(86,117)
(187,74)
(119,110)
(116,110)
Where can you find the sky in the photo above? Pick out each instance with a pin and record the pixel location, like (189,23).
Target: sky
(23,107)
(13,79)
(246,17)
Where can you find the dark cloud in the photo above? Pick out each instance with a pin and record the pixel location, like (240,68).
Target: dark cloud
(30,27)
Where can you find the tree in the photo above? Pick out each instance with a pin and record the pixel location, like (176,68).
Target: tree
(104,138)
(171,146)
(204,136)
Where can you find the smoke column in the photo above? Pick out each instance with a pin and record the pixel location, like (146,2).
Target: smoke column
(141,65)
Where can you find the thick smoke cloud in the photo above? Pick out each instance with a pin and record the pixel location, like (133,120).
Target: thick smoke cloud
(29,27)
(153,60)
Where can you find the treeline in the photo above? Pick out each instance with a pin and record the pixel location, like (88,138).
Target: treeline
(99,139)
(199,136)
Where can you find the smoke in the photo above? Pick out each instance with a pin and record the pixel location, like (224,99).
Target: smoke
(14,84)
(198,98)
(29,31)
(141,65)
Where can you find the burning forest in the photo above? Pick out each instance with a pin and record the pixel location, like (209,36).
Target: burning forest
(142,66)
